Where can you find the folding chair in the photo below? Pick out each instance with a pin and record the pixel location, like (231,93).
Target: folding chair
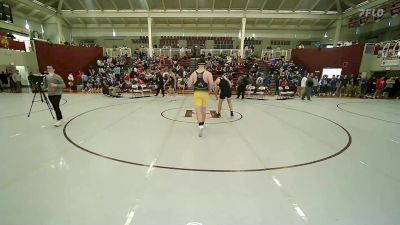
(135,89)
(250,90)
(145,89)
(261,91)
(282,93)
(289,93)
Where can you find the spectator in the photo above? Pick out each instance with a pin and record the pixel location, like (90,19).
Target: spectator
(85,80)
(3,80)
(380,84)
(350,86)
(388,90)
(315,85)
(242,83)
(364,86)
(70,80)
(333,84)
(396,87)
(302,86)
(356,85)
(308,88)
(16,77)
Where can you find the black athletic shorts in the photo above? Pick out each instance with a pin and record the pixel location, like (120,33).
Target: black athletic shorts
(225,95)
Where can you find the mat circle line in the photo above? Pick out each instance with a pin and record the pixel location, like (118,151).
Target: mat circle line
(349,141)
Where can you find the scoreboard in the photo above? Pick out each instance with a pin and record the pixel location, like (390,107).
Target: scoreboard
(5,12)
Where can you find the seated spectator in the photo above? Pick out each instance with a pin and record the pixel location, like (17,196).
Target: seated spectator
(70,80)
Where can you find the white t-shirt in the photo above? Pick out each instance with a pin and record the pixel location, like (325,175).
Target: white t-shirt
(259,80)
(71,77)
(16,77)
(303,82)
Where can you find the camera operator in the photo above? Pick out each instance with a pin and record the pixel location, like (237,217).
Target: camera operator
(55,85)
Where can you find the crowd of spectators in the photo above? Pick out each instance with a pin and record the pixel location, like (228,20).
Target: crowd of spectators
(114,75)
(120,73)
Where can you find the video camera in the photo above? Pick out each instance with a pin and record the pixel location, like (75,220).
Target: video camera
(37,81)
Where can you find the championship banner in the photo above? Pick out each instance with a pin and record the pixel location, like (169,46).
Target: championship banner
(363,20)
(395,9)
(354,22)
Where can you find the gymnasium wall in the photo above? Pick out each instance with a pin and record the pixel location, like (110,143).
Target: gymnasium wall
(66,58)
(348,58)
(21,59)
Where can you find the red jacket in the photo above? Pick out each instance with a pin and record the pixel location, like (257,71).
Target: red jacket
(380,83)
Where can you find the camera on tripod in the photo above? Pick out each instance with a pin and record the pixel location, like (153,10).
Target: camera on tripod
(37,82)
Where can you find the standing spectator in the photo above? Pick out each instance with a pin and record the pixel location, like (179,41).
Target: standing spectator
(388,90)
(380,84)
(55,85)
(315,85)
(302,86)
(277,84)
(172,83)
(324,86)
(356,85)
(308,89)
(333,84)
(371,88)
(160,83)
(364,86)
(3,80)
(343,85)
(243,81)
(350,86)
(12,82)
(85,80)
(396,87)
(16,77)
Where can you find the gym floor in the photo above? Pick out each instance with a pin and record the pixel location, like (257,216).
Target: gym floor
(139,161)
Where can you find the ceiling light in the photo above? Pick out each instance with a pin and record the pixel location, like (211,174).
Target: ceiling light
(27,25)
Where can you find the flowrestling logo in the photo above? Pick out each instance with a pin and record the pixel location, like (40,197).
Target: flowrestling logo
(378,13)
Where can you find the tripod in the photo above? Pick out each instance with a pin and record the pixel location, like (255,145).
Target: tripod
(43,98)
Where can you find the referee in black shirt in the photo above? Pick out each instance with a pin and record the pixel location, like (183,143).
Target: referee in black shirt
(223,88)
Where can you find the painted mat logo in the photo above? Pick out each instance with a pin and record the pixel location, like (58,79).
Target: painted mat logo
(372,12)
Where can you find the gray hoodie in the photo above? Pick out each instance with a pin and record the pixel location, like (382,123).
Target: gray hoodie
(54,79)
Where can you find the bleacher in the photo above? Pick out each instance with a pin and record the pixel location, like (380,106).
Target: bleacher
(223,43)
(141,40)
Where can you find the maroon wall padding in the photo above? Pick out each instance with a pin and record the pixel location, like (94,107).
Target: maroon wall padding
(11,44)
(66,58)
(313,59)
